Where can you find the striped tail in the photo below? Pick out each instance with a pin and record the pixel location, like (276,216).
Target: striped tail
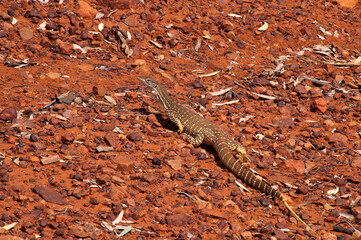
(235,165)
(242,172)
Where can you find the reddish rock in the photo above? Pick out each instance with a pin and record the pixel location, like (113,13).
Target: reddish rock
(49,195)
(356,162)
(111,139)
(99,91)
(297,165)
(125,162)
(283,152)
(8,114)
(26,33)
(85,10)
(175,164)
(50,159)
(67,138)
(177,220)
(150,178)
(65,47)
(78,231)
(319,104)
(338,137)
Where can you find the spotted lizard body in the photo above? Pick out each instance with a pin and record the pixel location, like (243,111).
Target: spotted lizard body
(198,130)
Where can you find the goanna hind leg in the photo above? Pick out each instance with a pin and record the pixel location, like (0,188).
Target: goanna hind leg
(241,150)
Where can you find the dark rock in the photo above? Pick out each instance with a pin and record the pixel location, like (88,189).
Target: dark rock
(49,195)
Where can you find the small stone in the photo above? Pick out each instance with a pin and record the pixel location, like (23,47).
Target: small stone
(283,152)
(99,91)
(124,162)
(85,10)
(302,189)
(215,213)
(86,67)
(356,162)
(328,236)
(319,104)
(177,220)
(78,231)
(35,12)
(67,139)
(297,165)
(153,119)
(4,176)
(111,139)
(315,92)
(342,202)
(280,235)
(94,201)
(53,75)
(134,136)
(175,164)
(246,235)
(338,137)
(8,114)
(65,47)
(49,195)
(50,159)
(131,95)
(150,178)
(26,33)
(58,107)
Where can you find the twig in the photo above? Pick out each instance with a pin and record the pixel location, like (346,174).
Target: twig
(186,194)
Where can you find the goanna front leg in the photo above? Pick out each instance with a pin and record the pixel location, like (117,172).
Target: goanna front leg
(195,141)
(241,150)
(176,122)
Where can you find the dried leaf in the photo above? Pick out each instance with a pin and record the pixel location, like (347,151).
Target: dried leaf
(110,99)
(125,231)
(264,27)
(119,218)
(158,45)
(9,226)
(220,92)
(208,74)
(225,103)
(234,15)
(107,226)
(198,44)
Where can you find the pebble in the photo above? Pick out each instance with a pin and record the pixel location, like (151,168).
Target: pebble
(67,139)
(150,178)
(111,139)
(85,10)
(26,33)
(8,114)
(78,231)
(49,195)
(297,165)
(124,162)
(356,162)
(53,75)
(177,220)
(99,91)
(319,104)
(134,136)
(175,164)
(338,137)
(50,159)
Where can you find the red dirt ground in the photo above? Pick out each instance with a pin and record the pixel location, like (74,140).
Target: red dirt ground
(83,142)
